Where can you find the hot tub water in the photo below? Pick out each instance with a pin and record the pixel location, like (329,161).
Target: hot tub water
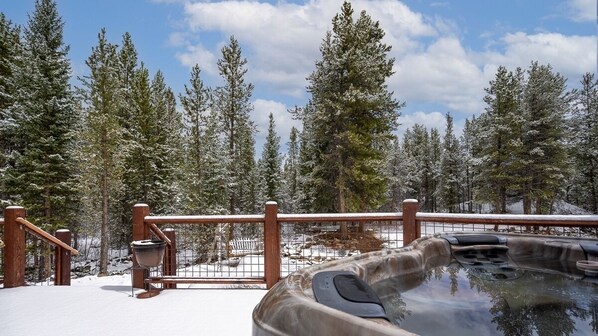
(462,300)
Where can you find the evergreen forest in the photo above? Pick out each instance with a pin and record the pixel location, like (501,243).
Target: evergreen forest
(78,153)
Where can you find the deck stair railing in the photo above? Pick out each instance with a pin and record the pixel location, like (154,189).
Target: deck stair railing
(15,228)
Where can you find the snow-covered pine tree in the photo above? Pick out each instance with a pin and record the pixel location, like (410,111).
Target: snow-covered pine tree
(127,66)
(166,146)
(307,153)
(543,150)
(449,186)
(10,45)
(434,151)
(155,140)
(419,179)
(270,181)
(205,174)
(195,103)
(500,126)
(397,167)
(215,195)
(354,115)
(42,178)
(584,143)
(102,149)
(232,101)
(468,144)
(290,184)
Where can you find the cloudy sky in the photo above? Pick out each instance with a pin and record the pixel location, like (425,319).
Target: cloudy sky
(446,51)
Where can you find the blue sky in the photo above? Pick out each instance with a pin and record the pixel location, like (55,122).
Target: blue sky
(446,51)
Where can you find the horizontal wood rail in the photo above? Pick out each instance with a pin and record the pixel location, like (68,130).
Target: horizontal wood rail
(204,219)
(506,219)
(191,280)
(45,236)
(341,217)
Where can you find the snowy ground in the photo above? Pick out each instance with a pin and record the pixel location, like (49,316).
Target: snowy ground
(104,306)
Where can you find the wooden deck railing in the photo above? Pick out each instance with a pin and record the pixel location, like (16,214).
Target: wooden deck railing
(411,220)
(15,228)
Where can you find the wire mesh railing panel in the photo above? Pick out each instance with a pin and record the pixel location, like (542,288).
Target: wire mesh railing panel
(391,233)
(308,243)
(431,228)
(216,251)
(39,262)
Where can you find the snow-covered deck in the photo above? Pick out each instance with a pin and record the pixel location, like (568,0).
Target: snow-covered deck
(104,306)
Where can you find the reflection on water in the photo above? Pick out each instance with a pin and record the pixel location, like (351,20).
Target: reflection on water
(471,300)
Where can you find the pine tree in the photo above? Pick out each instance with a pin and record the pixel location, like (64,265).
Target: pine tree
(215,195)
(10,45)
(127,67)
(195,105)
(232,101)
(585,143)
(42,178)
(155,143)
(434,151)
(102,149)
(449,169)
(501,127)
(354,115)
(166,146)
(270,168)
(469,147)
(140,168)
(307,153)
(543,148)
(420,179)
(291,173)
(398,172)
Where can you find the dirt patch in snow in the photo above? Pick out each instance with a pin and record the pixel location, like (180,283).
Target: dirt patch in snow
(361,241)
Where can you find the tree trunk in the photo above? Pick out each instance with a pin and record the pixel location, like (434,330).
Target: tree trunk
(342,208)
(104,234)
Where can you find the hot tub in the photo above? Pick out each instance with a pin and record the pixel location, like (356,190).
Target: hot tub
(447,283)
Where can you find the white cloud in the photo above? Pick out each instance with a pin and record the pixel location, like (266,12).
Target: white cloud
(583,10)
(197,54)
(430,120)
(443,73)
(282,119)
(281,41)
(570,55)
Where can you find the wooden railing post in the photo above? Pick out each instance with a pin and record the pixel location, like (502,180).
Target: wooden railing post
(271,245)
(62,260)
(14,249)
(169,264)
(140,232)
(411,230)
